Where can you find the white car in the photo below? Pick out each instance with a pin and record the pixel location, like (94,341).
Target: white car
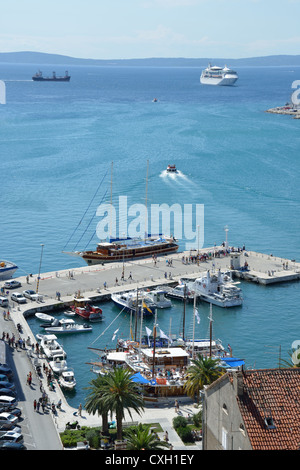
(12,436)
(32,295)
(12,284)
(8,417)
(18,297)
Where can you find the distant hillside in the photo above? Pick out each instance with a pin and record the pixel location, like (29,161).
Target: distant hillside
(41,58)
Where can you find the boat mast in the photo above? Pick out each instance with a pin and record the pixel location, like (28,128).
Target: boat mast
(184,305)
(154,344)
(146,203)
(210,329)
(110,224)
(194,310)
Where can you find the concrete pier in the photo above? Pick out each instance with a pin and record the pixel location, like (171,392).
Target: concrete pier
(89,280)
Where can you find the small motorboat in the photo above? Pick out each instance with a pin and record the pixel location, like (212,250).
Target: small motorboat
(67,379)
(58,364)
(44,317)
(67,328)
(50,346)
(171,169)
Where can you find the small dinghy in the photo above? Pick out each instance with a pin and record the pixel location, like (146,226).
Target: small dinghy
(44,317)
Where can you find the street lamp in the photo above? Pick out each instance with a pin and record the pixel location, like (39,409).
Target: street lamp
(226,231)
(38,279)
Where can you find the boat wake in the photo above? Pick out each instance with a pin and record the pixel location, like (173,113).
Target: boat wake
(178,177)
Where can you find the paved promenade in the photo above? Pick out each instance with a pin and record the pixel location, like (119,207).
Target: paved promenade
(89,280)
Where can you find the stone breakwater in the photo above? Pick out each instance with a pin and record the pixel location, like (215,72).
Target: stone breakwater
(287,110)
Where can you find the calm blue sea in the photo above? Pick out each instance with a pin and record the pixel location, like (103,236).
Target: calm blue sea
(57,142)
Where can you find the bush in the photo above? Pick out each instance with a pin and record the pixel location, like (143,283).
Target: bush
(185,434)
(197,419)
(179,422)
(93,438)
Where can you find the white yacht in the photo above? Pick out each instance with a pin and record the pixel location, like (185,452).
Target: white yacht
(7,270)
(218,289)
(214,75)
(50,346)
(157,297)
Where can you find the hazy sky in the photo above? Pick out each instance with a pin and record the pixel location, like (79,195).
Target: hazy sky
(120,29)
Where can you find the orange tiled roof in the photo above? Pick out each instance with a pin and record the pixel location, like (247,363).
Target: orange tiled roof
(273,394)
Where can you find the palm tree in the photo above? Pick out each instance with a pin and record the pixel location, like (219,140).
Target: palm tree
(120,393)
(94,402)
(203,371)
(141,438)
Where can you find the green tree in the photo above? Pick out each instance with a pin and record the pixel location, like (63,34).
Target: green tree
(120,393)
(140,437)
(203,371)
(94,403)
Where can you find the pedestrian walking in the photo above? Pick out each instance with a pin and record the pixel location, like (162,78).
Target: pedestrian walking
(38,406)
(79,409)
(176,406)
(34,405)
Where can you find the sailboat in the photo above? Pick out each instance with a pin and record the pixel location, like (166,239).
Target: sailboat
(124,249)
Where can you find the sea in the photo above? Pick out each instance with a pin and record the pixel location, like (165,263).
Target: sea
(57,145)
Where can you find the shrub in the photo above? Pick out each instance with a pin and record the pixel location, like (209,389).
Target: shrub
(197,419)
(179,422)
(185,434)
(93,438)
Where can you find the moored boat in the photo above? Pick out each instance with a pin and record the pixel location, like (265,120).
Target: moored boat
(68,328)
(67,379)
(50,346)
(44,317)
(157,298)
(82,307)
(130,302)
(58,364)
(217,289)
(129,249)
(7,270)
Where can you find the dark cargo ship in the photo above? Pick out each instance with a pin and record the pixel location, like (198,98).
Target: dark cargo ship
(38,77)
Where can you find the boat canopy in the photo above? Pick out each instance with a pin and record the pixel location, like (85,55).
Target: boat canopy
(139,379)
(233,361)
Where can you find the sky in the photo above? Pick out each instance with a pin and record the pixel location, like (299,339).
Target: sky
(126,29)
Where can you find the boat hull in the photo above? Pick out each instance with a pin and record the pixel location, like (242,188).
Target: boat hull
(224,81)
(92,257)
(7,270)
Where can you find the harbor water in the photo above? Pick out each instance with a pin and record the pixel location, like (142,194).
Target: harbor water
(57,142)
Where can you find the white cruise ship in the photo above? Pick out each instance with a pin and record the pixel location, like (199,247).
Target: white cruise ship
(218,76)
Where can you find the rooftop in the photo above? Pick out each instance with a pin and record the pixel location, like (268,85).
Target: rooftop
(270,407)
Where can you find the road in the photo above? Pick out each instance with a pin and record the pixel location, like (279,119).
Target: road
(38,428)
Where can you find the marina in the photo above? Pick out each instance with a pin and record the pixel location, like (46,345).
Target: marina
(59,288)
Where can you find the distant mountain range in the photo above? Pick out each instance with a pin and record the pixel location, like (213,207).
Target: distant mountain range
(41,58)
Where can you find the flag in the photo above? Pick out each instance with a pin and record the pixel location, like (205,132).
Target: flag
(149,332)
(146,307)
(114,335)
(197,316)
(163,335)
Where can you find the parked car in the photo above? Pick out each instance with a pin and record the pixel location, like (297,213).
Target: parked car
(12,284)
(11,410)
(6,384)
(3,377)
(32,295)
(12,437)
(5,370)
(12,446)
(8,392)
(8,417)
(7,401)
(3,301)
(12,428)
(18,297)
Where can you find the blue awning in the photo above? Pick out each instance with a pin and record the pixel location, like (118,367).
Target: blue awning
(233,361)
(139,378)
